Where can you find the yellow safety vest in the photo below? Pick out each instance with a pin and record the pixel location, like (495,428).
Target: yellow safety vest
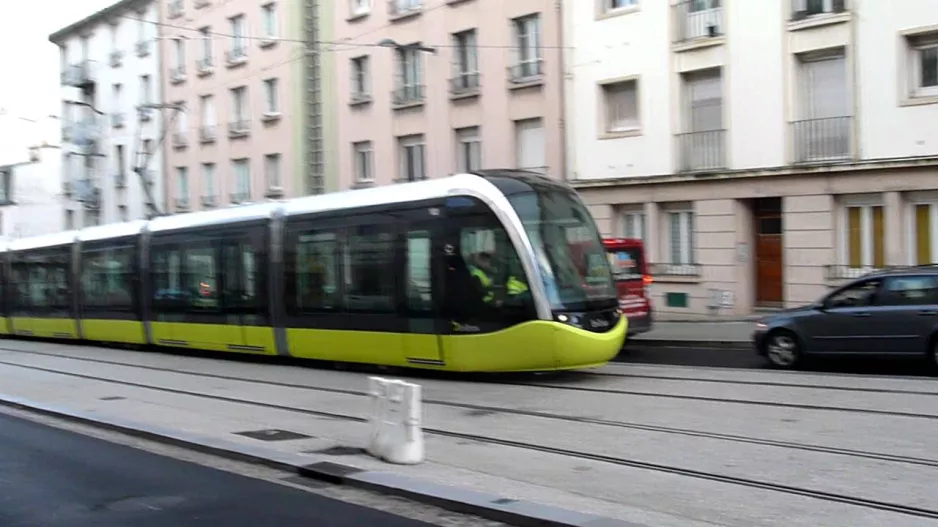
(486,283)
(515,286)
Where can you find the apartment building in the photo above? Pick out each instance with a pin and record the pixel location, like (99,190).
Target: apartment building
(248,78)
(427,89)
(764,153)
(109,78)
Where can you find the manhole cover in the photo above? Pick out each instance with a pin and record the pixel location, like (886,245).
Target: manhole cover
(273,435)
(142,503)
(337,451)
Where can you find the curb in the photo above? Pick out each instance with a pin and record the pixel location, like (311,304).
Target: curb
(664,343)
(489,506)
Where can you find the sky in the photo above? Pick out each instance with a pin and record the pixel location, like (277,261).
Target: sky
(30,63)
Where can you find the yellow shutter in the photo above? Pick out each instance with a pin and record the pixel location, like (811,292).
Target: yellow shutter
(923,221)
(854,237)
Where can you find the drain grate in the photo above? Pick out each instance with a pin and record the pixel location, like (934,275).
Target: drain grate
(273,434)
(504,501)
(337,451)
(112,398)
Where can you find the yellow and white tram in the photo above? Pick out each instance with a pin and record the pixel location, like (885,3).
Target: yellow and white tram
(381,276)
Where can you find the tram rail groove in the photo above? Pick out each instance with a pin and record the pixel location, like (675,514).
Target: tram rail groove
(878,456)
(619,461)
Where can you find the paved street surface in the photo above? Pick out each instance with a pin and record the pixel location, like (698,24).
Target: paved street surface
(661,446)
(699,333)
(56,478)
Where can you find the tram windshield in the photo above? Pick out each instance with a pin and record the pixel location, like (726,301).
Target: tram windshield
(568,249)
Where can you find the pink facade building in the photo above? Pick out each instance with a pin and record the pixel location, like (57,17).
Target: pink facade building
(240,70)
(427,89)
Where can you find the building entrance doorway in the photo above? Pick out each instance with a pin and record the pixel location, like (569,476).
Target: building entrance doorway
(768,252)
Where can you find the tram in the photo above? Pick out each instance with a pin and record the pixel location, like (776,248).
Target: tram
(385,276)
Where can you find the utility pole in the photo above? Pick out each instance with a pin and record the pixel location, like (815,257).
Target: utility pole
(143,157)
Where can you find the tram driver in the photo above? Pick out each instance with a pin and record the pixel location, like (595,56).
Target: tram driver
(484,269)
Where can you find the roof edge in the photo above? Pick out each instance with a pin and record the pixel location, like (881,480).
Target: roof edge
(94,19)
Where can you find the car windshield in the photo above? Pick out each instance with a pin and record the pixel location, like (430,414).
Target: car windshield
(568,249)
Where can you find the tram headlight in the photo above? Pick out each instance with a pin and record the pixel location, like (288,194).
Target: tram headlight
(572,320)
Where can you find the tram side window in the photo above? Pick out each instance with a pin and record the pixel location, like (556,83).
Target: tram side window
(20,285)
(369,264)
(240,275)
(48,282)
(317,272)
(200,282)
(167,275)
(497,276)
(107,279)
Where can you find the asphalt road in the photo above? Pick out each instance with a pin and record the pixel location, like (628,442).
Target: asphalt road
(747,359)
(56,478)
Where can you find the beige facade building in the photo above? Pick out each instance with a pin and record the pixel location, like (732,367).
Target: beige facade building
(254,126)
(763,155)
(426,89)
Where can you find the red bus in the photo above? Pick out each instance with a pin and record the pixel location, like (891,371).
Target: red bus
(627,259)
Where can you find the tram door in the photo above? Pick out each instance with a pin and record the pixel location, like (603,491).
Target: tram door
(421,286)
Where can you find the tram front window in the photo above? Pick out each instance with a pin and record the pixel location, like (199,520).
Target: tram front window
(568,249)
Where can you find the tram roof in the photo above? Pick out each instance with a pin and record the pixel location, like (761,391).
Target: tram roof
(43,240)
(111,230)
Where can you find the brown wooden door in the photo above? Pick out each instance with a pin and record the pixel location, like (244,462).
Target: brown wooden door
(768,252)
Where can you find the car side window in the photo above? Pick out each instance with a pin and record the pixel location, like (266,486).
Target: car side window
(861,294)
(910,291)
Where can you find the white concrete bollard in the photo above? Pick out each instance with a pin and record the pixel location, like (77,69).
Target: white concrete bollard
(396,433)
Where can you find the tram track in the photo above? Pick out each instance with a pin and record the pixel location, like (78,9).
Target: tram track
(477,409)
(886,506)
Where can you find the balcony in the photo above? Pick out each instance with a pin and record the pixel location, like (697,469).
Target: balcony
(236,56)
(182,204)
(207,134)
(360,98)
(822,140)
(702,151)
(85,132)
(120,180)
(239,197)
(210,201)
(408,96)
(239,128)
(205,66)
(198,4)
(117,58)
(177,75)
(683,270)
(401,9)
(697,22)
(145,114)
(117,120)
(180,140)
(526,73)
(143,48)
(465,84)
(78,75)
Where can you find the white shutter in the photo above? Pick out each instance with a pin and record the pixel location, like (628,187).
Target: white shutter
(705,102)
(531,144)
(825,83)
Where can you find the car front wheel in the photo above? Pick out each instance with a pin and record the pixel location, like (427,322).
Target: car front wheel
(782,349)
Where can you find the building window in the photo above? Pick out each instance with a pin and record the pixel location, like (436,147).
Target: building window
(272,170)
(469,149)
(239,105)
(412,167)
(527,60)
(206,33)
(145,95)
(360,78)
(182,182)
(805,8)
(925,233)
(269,16)
(923,65)
(238,37)
(620,100)
(613,5)
(207,106)
(271,100)
(360,7)
(531,145)
(702,142)
(242,180)
(208,180)
(864,229)
(822,130)
(465,60)
(362,157)
(409,76)
(633,225)
(179,47)
(680,239)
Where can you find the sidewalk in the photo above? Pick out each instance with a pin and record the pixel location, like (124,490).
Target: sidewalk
(731,334)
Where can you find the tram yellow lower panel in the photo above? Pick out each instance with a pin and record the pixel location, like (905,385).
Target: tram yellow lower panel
(215,337)
(368,347)
(55,328)
(124,331)
(4,326)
